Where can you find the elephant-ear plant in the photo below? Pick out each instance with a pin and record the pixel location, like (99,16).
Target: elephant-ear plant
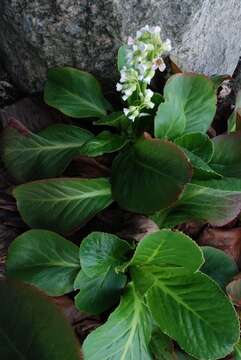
(166,167)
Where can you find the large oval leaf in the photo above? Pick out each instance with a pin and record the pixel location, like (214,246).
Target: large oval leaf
(168,249)
(190,106)
(75,93)
(126,334)
(98,293)
(198,144)
(149,176)
(195,312)
(62,204)
(199,149)
(99,282)
(212,201)
(227,155)
(44,259)
(28,156)
(102,252)
(32,328)
(188,306)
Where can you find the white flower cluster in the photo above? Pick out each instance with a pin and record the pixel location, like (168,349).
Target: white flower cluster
(144,57)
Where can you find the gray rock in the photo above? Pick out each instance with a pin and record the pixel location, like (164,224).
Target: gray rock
(212,42)
(8,92)
(36,35)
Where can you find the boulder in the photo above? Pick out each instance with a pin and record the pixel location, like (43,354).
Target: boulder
(36,35)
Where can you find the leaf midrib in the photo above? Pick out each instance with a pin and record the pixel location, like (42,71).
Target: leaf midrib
(71,198)
(134,321)
(40,148)
(86,102)
(154,170)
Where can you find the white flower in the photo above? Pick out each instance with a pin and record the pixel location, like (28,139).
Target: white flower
(123,74)
(157,30)
(130,41)
(143,58)
(159,64)
(142,31)
(147,99)
(126,111)
(119,87)
(132,112)
(149,75)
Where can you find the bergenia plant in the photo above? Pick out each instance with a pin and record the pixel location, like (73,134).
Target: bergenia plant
(163,290)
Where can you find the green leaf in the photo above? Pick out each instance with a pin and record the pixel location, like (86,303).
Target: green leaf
(126,334)
(190,105)
(170,120)
(105,142)
(98,293)
(102,252)
(198,144)
(62,205)
(227,155)
(149,176)
(117,120)
(32,327)
(199,149)
(203,202)
(99,282)
(168,249)
(161,346)
(219,266)
(209,325)
(28,156)
(201,169)
(44,259)
(121,58)
(234,121)
(237,351)
(225,184)
(195,312)
(75,93)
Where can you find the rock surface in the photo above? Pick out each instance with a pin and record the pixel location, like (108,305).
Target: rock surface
(39,34)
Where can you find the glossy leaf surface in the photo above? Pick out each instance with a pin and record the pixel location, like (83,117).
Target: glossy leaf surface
(227,155)
(125,335)
(99,281)
(29,156)
(75,93)
(210,325)
(149,176)
(32,327)
(62,204)
(208,201)
(44,259)
(190,105)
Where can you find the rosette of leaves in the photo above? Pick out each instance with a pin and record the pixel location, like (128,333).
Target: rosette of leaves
(169,173)
(164,166)
(162,293)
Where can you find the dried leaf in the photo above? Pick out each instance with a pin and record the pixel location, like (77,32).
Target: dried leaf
(228,240)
